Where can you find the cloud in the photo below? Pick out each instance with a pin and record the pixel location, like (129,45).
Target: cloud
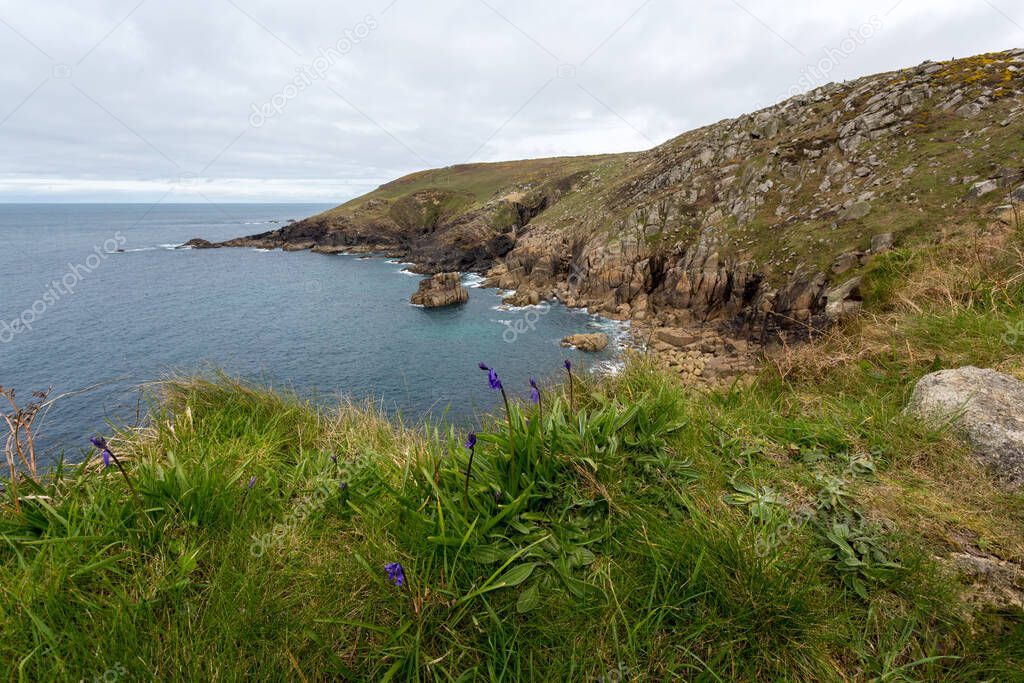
(118,100)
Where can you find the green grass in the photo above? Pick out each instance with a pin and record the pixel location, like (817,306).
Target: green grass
(606,540)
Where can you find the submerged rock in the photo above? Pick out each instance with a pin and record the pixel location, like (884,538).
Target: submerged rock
(443,289)
(986,407)
(198,243)
(590,343)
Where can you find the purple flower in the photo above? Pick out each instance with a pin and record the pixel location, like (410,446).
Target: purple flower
(344,486)
(395,573)
(492,376)
(568,365)
(252,482)
(471,441)
(534,391)
(334,457)
(101,443)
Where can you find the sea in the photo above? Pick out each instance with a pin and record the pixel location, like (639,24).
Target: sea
(99,305)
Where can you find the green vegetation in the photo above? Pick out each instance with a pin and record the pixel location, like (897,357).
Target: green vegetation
(791,530)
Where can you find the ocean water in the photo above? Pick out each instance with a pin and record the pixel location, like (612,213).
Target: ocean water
(96,303)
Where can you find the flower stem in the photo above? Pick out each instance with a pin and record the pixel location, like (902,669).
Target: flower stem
(572,402)
(511,440)
(128,481)
(469,474)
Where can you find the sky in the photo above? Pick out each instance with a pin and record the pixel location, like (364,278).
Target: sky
(309,101)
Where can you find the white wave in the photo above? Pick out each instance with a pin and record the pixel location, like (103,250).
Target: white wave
(473,280)
(608,368)
(405,271)
(263,251)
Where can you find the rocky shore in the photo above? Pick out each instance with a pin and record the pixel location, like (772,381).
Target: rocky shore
(725,240)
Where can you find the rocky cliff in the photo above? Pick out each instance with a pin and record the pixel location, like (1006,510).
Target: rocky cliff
(761,222)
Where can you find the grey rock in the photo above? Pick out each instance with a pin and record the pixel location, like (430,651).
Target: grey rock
(980,189)
(883,241)
(1018,194)
(857,211)
(845,262)
(844,300)
(984,406)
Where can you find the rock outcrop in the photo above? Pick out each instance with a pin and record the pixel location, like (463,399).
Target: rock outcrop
(757,226)
(986,407)
(590,343)
(443,289)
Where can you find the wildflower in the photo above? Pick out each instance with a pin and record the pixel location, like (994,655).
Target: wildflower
(334,457)
(471,441)
(344,486)
(395,573)
(568,365)
(108,455)
(492,376)
(252,482)
(534,391)
(101,443)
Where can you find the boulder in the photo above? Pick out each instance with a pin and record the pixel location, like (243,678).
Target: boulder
(587,342)
(443,289)
(857,211)
(984,406)
(844,300)
(523,297)
(882,242)
(1017,195)
(676,338)
(980,189)
(845,262)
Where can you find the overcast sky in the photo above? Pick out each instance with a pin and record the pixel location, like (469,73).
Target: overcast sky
(262,100)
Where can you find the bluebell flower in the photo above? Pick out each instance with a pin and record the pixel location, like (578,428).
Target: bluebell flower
(334,457)
(534,391)
(101,443)
(344,486)
(471,441)
(252,482)
(568,364)
(395,573)
(492,376)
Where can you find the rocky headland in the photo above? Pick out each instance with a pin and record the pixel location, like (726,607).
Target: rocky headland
(726,240)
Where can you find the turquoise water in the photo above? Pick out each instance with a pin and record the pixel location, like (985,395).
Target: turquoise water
(75,316)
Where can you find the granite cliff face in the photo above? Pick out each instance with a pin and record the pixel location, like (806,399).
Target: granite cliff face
(760,223)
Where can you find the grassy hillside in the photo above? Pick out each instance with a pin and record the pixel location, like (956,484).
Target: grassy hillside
(800,529)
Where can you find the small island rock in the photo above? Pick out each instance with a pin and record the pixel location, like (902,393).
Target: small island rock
(443,289)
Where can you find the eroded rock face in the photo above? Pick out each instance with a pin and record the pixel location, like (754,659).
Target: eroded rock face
(590,343)
(443,289)
(755,221)
(986,407)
